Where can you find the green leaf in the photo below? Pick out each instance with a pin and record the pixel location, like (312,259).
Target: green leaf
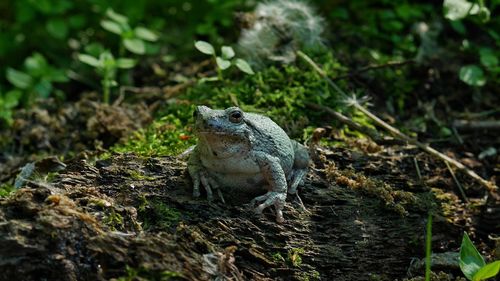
(205,47)
(90,60)
(58,28)
(484,14)
(227,52)
(472,75)
(487,271)
(112,27)
(135,45)
(125,63)
(119,18)
(11,98)
(459,9)
(57,75)
(488,58)
(208,79)
(94,49)
(470,259)
(43,88)
(222,63)
(77,21)
(458,26)
(19,79)
(145,34)
(36,65)
(244,66)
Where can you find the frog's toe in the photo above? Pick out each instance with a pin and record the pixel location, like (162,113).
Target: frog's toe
(205,182)
(272,198)
(196,186)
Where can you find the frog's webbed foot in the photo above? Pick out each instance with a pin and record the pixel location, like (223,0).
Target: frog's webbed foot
(202,178)
(206,182)
(271,198)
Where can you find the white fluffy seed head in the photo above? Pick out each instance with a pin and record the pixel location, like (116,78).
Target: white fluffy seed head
(280,28)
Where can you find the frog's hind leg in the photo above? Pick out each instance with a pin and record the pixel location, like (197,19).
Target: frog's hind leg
(275,176)
(295,179)
(216,186)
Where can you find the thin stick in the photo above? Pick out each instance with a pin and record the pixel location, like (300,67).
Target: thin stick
(373,134)
(491,187)
(466,125)
(419,175)
(373,67)
(460,187)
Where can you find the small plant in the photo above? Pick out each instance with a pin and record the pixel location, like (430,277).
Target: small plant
(294,256)
(133,39)
(225,60)
(140,273)
(6,189)
(8,102)
(277,257)
(36,79)
(106,66)
(457,10)
(472,263)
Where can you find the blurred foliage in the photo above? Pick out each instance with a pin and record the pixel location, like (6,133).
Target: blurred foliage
(46,47)
(53,32)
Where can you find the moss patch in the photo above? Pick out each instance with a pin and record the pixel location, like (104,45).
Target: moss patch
(157,215)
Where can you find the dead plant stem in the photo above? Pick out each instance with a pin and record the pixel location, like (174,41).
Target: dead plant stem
(491,187)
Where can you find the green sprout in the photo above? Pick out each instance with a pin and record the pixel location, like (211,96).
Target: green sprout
(472,263)
(36,79)
(8,102)
(133,39)
(225,60)
(472,74)
(106,66)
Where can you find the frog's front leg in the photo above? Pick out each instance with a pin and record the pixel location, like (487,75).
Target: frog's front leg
(199,175)
(275,176)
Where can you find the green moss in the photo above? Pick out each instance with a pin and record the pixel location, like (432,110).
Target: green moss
(281,93)
(155,214)
(132,273)
(6,189)
(311,275)
(277,258)
(278,92)
(114,220)
(392,198)
(166,136)
(136,175)
(294,258)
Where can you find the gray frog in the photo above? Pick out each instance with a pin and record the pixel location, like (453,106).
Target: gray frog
(247,151)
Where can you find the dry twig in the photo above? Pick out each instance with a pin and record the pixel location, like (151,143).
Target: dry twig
(373,67)
(491,187)
(467,125)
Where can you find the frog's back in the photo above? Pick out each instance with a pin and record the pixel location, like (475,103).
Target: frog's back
(271,139)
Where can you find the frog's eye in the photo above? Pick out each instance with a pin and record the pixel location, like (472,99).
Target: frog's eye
(236,116)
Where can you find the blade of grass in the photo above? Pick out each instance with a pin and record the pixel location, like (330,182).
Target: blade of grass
(428,248)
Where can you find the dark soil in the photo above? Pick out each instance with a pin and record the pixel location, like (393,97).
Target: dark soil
(135,217)
(63,129)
